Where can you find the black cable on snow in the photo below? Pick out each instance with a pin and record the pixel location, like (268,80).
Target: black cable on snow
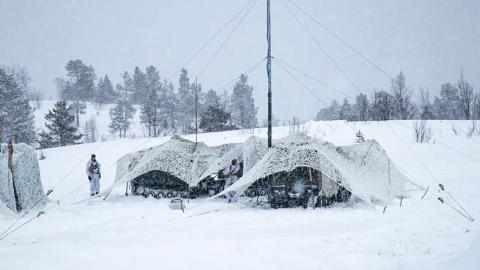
(210,39)
(338,37)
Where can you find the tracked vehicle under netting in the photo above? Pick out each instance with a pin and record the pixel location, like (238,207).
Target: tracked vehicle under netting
(159,185)
(177,168)
(299,169)
(301,186)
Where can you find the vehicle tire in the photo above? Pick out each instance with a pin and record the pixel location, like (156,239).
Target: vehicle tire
(169,194)
(292,203)
(139,190)
(145,195)
(160,195)
(152,194)
(343,195)
(326,201)
(252,193)
(263,192)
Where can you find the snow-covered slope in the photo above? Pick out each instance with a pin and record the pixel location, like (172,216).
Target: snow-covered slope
(100,114)
(134,233)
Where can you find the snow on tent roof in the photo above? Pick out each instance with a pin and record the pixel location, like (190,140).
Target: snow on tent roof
(179,157)
(26,175)
(363,168)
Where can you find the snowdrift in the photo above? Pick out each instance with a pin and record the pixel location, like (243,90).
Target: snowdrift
(363,168)
(26,176)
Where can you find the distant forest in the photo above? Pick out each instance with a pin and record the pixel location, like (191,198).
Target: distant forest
(181,106)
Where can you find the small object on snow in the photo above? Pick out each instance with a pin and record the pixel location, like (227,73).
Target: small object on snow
(423,196)
(401,201)
(384,209)
(177,204)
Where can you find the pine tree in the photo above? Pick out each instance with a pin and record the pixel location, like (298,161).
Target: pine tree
(448,106)
(186,102)
(79,86)
(382,106)
(243,110)
(16,115)
(121,115)
(212,99)
(140,88)
(465,91)
(361,107)
(151,107)
(346,111)
(169,107)
(332,112)
(61,130)
(105,94)
(214,118)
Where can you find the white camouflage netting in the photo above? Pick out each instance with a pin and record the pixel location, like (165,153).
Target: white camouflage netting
(26,174)
(363,168)
(178,157)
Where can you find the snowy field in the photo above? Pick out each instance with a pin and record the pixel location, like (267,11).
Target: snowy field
(137,233)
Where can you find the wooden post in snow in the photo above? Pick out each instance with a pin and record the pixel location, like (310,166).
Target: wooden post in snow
(10,168)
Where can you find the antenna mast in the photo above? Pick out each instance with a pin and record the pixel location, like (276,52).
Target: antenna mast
(269,75)
(196,110)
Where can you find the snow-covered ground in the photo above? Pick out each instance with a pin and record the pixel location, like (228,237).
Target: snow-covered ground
(135,233)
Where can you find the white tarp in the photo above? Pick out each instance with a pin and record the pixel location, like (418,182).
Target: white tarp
(26,175)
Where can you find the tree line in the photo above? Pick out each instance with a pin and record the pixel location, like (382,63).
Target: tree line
(456,101)
(164,109)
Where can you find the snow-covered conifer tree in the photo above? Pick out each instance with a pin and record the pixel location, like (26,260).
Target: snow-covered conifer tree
(16,115)
(242,107)
(61,130)
(121,115)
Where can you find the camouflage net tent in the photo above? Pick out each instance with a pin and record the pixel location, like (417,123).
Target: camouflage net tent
(364,168)
(178,159)
(22,188)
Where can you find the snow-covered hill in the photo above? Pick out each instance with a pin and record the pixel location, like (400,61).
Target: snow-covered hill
(100,114)
(137,233)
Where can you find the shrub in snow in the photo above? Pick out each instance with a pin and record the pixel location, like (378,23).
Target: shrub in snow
(423,132)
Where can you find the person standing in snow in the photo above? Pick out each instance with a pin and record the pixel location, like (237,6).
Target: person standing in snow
(93,173)
(231,173)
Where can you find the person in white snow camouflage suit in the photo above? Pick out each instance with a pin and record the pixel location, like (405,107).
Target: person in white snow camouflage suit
(231,174)
(93,173)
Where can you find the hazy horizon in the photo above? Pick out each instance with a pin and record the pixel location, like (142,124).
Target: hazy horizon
(431,41)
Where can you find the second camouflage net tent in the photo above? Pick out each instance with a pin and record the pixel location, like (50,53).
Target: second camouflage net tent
(20,185)
(364,169)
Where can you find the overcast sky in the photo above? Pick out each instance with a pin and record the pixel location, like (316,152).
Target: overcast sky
(429,40)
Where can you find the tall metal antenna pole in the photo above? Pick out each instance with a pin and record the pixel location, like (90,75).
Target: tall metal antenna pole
(196,110)
(269,75)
